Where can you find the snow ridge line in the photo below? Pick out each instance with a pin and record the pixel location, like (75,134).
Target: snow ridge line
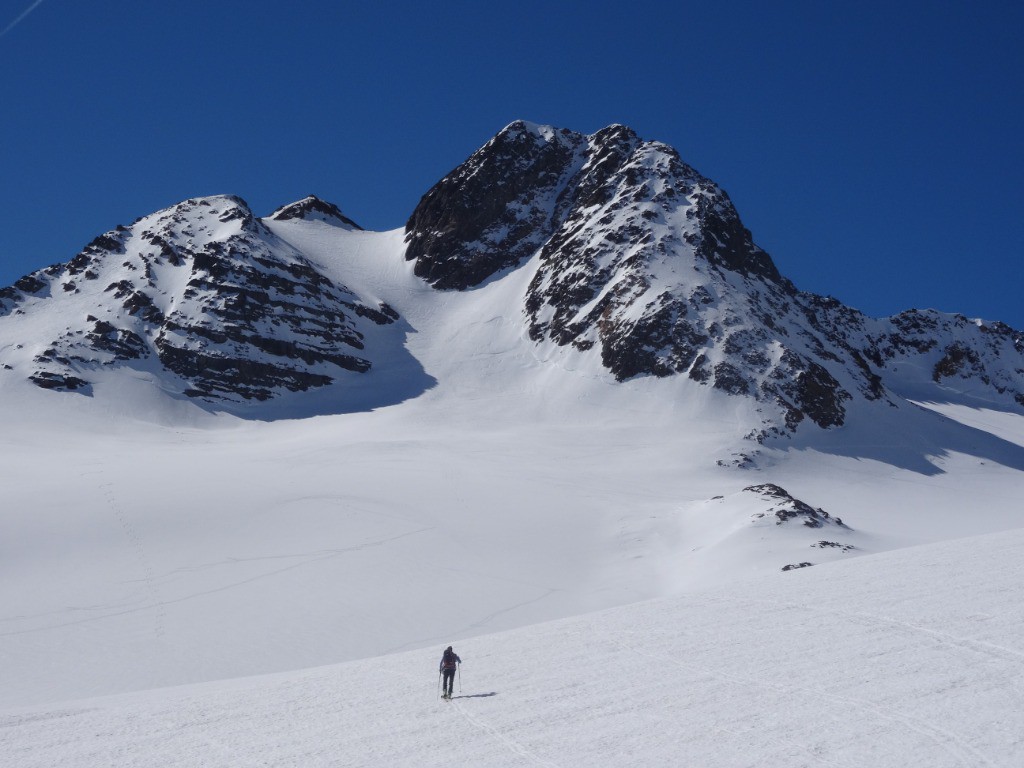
(311,558)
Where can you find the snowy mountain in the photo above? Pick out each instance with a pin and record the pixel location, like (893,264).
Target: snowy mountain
(632,256)
(638,255)
(202,294)
(236,445)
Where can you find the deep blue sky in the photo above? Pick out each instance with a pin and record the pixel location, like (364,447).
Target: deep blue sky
(875,150)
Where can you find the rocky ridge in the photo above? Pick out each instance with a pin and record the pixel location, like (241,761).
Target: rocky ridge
(632,256)
(768,516)
(639,257)
(205,291)
(312,208)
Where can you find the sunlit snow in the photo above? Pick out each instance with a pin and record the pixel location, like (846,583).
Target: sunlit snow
(150,543)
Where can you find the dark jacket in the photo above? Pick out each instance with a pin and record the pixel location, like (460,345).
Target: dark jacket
(449,660)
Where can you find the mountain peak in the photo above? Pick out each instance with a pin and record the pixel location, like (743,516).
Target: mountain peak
(636,255)
(519,128)
(624,253)
(518,193)
(615,131)
(203,216)
(312,208)
(228,207)
(205,290)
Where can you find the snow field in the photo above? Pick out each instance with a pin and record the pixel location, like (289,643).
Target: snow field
(162,556)
(908,658)
(479,482)
(158,554)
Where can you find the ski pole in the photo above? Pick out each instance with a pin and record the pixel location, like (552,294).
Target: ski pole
(460,678)
(438,685)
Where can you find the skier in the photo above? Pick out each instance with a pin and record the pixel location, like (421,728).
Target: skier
(449,663)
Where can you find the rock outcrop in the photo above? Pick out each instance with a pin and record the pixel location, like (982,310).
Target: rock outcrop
(632,256)
(205,290)
(637,256)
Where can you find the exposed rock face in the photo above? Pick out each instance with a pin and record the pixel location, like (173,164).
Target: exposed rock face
(312,208)
(640,258)
(64,382)
(494,210)
(798,534)
(786,508)
(795,566)
(630,254)
(205,290)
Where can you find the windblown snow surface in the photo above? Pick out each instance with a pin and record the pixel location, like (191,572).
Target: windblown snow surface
(911,658)
(149,544)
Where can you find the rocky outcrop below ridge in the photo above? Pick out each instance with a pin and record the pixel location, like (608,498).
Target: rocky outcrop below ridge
(785,508)
(796,533)
(205,291)
(636,256)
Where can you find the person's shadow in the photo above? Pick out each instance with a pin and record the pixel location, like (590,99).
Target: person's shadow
(475,695)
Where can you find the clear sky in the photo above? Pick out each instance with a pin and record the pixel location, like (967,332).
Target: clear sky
(874,149)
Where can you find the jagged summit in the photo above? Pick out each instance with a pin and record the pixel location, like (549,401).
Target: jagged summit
(312,208)
(201,293)
(636,255)
(537,130)
(531,185)
(624,255)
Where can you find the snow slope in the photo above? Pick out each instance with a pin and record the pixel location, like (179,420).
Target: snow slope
(150,542)
(910,658)
(140,555)
(476,477)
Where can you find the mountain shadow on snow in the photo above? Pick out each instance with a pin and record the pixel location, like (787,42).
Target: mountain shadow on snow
(638,258)
(215,308)
(627,255)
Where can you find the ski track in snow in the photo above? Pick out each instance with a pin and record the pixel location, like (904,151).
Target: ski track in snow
(785,672)
(158,606)
(509,484)
(941,638)
(144,562)
(512,744)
